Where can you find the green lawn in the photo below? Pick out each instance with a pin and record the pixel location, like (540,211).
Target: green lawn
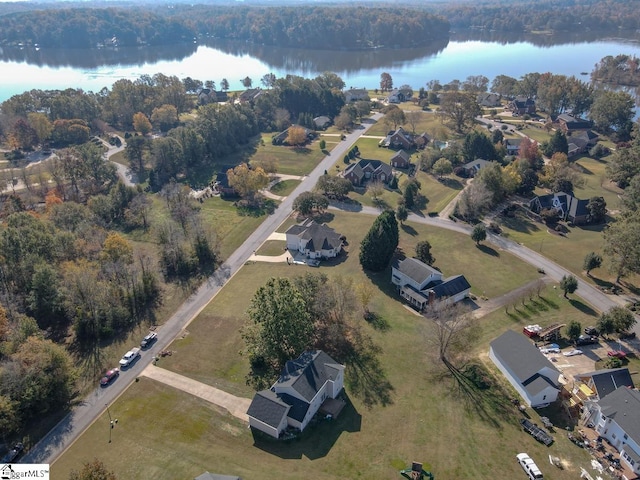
(272,248)
(447,424)
(596,182)
(291,160)
(120,158)
(285,187)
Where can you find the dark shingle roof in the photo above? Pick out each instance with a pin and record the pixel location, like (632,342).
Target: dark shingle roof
(522,358)
(402,154)
(415,269)
(623,406)
(321,237)
(607,381)
(451,286)
(309,372)
(268,408)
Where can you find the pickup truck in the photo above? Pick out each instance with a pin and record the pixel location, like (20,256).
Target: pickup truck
(129,357)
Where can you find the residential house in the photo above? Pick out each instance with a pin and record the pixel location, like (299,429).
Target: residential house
(533,376)
(569,123)
(221,185)
(420,284)
(364,170)
(303,387)
(398,96)
(521,105)
(473,167)
(322,122)
(399,138)
(616,419)
(401,159)
(569,207)
(249,95)
(421,141)
(580,141)
(593,386)
(281,138)
(314,240)
(489,100)
(355,94)
(512,145)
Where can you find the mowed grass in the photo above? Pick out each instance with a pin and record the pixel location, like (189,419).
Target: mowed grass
(285,187)
(596,182)
(165,434)
(224,316)
(272,248)
(291,160)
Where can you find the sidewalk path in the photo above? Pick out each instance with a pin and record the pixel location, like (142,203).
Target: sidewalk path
(236,406)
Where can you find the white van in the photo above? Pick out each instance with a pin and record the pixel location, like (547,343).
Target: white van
(529,466)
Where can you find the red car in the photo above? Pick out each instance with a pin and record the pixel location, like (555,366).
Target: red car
(109,377)
(617,354)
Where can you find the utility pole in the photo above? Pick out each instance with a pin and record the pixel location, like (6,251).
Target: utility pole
(111,422)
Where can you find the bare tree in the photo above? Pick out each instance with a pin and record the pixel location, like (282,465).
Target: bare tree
(454,328)
(413,118)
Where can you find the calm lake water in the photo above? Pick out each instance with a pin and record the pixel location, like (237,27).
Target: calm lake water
(91,70)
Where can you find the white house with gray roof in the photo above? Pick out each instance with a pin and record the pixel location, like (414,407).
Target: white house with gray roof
(303,386)
(617,418)
(419,283)
(313,240)
(534,377)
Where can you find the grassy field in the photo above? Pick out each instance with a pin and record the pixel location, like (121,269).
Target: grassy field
(596,183)
(291,160)
(272,248)
(285,187)
(431,416)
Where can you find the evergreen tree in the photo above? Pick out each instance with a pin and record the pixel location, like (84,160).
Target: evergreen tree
(380,242)
(557,143)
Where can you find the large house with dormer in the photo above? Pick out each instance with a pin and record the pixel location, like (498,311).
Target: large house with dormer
(615,418)
(401,139)
(305,384)
(368,170)
(522,105)
(314,240)
(569,208)
(421,284)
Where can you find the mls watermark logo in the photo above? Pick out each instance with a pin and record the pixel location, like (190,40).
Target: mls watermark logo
(11,471)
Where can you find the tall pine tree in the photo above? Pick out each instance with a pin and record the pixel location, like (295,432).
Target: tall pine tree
(380,242)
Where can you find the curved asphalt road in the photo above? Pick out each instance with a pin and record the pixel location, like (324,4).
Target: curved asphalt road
(94,405)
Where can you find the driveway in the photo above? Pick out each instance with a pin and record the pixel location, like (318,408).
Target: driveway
(83,415)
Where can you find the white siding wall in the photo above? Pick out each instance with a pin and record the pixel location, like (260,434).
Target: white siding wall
(268,429)
(293,243)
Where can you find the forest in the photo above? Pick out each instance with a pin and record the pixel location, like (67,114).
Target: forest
(308,27)
(313,27)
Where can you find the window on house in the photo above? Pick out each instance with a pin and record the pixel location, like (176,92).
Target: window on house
(544,398)
(613,435)
(626,436)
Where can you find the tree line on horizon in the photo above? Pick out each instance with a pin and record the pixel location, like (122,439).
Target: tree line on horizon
(315,27)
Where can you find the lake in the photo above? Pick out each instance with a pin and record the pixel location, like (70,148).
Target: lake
(91,70)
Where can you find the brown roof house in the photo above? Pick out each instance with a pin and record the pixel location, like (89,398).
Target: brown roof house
(364,170)
(401,159)
(314,240)
(305,385)
(569,123)
(521,105)
(399,138)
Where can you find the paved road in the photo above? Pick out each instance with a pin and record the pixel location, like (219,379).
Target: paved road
(94,405)
(592,295)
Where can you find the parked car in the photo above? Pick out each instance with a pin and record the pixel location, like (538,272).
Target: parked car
(109,377)
(571,353)
(616,353)
(550,350)
(590,331)
(586,340)
(529,466)
(129,357)
(148,340)
(12,454)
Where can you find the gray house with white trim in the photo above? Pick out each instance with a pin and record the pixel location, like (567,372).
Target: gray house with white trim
(534,377)
(617,418)
(304,385)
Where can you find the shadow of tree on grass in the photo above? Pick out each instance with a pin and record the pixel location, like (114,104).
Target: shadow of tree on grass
(480,392)
(488,250)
